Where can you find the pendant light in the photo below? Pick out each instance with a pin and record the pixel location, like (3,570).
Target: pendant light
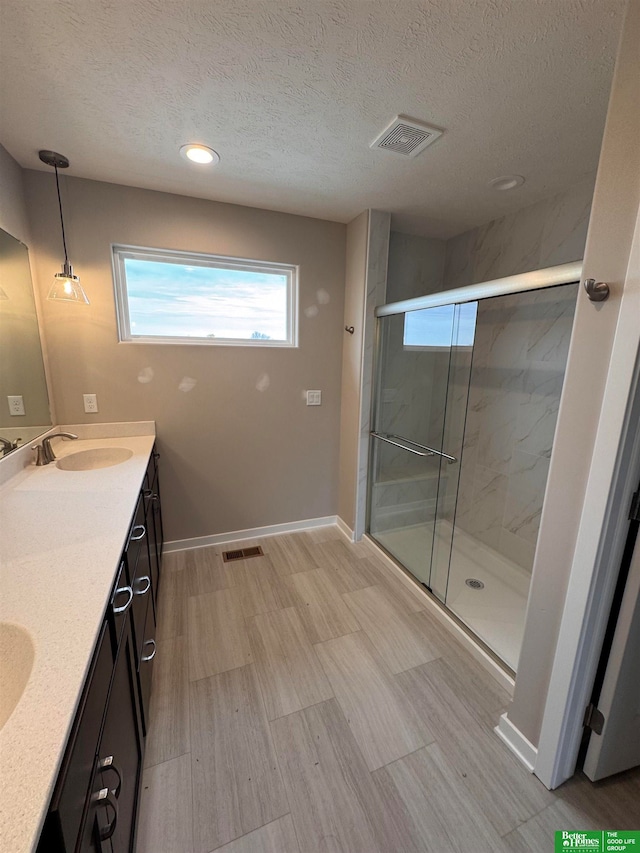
(66,286)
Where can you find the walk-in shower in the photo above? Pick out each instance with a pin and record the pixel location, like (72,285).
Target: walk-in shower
(468,384)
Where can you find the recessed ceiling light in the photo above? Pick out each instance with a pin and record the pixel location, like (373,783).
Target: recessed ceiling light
(506,182)
(200,154)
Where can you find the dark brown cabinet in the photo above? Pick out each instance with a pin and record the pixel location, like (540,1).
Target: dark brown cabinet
(109,825)
(69,801)
(95,800)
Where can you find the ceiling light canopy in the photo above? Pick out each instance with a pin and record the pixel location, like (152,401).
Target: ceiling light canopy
(200,154)
(506,182)
(66,286)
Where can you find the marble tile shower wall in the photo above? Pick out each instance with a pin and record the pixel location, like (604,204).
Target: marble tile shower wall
(412,392)
(519,360)
(551,232)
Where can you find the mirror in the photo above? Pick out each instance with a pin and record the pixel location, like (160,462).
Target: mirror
(22,373)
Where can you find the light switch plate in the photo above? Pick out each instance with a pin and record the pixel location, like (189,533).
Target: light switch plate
(16,404)
(90,403)
(314,398)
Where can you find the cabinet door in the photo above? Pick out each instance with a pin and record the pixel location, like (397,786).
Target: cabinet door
(145,666)
(120,753)
(153,508)
(68,804)
(111,809)
(157,510)
(96,825)
(142,585)
(121,601)
(137,535)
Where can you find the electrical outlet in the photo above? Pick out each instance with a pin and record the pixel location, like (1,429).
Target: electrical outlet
(90,403)
(16,404)
(314,398)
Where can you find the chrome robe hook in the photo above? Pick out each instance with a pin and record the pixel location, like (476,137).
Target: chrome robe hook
(597,291)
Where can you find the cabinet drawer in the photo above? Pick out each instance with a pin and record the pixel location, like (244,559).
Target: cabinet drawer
(68,804)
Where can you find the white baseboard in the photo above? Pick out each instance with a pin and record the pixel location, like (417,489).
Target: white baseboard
(344,528)
(439,613)
(517,742)
(250,533)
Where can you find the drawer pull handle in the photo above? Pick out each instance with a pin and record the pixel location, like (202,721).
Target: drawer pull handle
(147,493)
(105,764)
(146,588)
(124,607)
(105,798)
(153,653)
(141,536)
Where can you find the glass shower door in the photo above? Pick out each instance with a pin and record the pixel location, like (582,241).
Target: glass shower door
(407,452)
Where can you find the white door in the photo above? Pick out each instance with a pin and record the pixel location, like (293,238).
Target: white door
(618,747)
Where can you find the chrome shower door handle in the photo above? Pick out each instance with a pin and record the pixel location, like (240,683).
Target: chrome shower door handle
(388,439)
(423,450)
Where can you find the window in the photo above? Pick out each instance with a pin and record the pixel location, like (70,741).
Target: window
(440,328)
(183,298)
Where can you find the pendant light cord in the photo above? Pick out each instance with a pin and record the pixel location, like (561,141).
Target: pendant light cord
(64,239)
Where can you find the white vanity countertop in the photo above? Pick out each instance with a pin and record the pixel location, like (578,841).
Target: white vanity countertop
(63,533)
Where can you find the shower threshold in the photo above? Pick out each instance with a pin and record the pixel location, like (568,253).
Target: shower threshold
(495,613)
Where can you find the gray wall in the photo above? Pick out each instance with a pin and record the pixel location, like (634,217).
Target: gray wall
(241,449)
(13,208)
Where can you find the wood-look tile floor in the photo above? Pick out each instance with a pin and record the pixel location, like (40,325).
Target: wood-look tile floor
(306,702)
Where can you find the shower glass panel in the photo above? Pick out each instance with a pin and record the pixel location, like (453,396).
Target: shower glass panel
(466,405)
(414,360)
(519,360)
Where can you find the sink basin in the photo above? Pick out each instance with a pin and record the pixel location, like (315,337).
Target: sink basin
(89,460)
(16,661)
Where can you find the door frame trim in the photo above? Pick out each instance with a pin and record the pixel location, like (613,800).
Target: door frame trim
(613,477)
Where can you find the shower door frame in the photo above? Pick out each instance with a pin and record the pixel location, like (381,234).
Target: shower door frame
(376,383)
(522,283)
(557,276)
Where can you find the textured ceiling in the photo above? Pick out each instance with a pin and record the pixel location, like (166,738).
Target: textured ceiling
(291,93)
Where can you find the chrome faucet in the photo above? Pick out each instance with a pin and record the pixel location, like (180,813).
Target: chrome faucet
(44,451)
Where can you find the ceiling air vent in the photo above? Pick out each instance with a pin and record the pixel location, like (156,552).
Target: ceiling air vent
(406,136)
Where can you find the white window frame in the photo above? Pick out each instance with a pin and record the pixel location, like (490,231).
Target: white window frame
(120,253)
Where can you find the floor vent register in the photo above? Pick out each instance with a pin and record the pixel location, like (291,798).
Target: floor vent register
(242,554)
